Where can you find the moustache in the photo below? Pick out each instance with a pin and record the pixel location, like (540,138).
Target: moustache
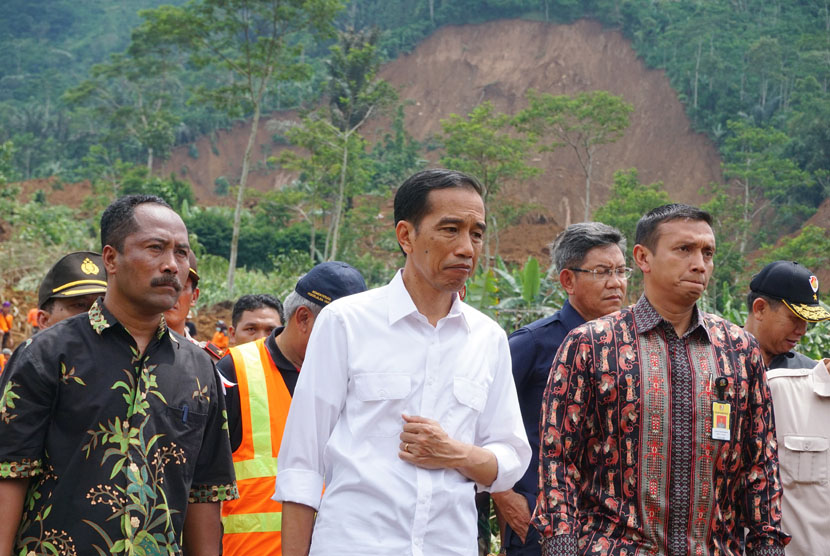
(167,280)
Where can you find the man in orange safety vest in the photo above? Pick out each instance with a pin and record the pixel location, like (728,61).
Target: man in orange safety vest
(263,374)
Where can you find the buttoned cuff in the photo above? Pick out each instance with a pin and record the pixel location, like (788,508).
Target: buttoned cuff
(509,468)
(559,545)
(300,486)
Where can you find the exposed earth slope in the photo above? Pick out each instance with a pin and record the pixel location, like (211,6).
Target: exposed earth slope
(458,67)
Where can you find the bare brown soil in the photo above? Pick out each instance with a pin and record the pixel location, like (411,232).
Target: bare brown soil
(458,67)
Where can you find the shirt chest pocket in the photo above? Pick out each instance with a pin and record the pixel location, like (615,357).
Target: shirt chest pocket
(469,397)
(380,399)
(804,459)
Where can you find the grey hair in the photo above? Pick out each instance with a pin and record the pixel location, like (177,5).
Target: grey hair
(294,301)
(573,243)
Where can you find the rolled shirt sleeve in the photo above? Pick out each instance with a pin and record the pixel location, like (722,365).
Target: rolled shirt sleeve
(27,392)
(318,400)
(213,478)
(500,427)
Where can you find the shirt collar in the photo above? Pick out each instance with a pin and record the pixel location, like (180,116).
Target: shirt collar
(569,316)
(101,319)
(647,318)
(401,304)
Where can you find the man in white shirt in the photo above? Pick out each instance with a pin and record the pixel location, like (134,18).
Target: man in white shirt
(782,301)
(406,400)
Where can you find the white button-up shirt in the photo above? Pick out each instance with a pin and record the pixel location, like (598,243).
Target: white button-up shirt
(801,401)
(372,357)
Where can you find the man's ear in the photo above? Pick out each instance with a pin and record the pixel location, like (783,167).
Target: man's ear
(642,258)
(43,319)
(760,307)
(232,334)
(194,297)
(405,233)
(108,254)
(567,278)
(304,319)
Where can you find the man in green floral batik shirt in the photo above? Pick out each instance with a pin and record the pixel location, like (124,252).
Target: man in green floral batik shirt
(113,435)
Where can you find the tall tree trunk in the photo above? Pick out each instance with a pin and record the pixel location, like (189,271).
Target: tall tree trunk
(588,169)
(150,161)
(745,230)
(312,247)
(341,195)
(240,196)
(697,71)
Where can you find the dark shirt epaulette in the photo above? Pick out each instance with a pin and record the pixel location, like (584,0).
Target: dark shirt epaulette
(213,350)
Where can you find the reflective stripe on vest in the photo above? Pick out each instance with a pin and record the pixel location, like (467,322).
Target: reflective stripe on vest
(263,402)
(262,462)
(252,523)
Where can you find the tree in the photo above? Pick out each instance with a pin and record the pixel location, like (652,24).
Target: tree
(132,94)
(810,247)
(338,166)
(255,43)
(355,94)
(754,158)
(630,200)
(481,144)
(583,123)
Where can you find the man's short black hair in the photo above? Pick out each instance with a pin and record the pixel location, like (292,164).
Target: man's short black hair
(771,301)
(49,305)
(254,301)
(118,219)
(411,202)
(646,234)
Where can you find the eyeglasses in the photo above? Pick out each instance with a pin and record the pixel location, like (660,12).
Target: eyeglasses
(622,273)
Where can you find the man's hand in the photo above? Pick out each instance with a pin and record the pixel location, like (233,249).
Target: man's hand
(425,443)
(513,507)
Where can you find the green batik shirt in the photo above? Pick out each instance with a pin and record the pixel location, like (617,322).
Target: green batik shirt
(115,444)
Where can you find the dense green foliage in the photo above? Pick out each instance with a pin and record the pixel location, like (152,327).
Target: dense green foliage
(95,90)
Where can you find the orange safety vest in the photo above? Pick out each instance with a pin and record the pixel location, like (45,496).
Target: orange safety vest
(253,522)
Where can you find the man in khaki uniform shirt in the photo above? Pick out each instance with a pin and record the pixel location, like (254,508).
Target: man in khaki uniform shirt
(782,300)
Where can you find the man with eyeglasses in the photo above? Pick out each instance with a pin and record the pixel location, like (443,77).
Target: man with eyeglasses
(590,259)
(657,426)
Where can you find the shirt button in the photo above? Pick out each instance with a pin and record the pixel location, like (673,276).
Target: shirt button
(382,393)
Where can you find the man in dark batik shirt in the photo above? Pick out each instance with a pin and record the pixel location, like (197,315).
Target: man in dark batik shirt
(657,426)
(113,437)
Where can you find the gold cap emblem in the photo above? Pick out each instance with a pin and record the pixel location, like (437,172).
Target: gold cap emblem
(89,267)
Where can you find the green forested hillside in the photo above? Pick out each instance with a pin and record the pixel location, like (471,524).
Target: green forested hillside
(763,62)
(96,90)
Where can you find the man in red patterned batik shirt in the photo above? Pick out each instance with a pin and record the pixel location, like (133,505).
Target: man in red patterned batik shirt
(657,423)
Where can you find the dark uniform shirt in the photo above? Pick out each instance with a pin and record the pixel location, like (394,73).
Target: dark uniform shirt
(532,349)
(226,368)
(115,443)
(791,360)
